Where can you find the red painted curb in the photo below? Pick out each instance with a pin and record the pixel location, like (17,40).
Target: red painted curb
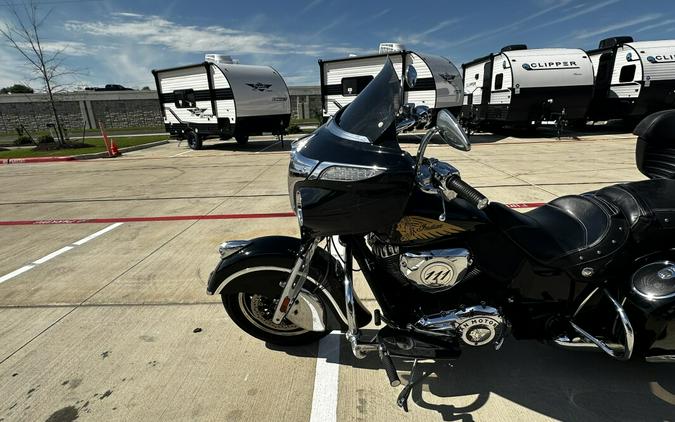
(526,205)
(30,160)
(185,217)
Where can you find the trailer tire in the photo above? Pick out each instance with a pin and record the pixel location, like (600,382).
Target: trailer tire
(241,139)
(194,141)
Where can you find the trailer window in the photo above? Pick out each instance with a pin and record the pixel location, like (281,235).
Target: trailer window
(627,73)
(499,81)
(354,86)
(185,98)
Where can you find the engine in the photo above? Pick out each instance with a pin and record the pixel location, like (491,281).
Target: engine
(438,270)
(474,326)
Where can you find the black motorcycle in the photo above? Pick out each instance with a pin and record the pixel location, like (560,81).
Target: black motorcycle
(448,268)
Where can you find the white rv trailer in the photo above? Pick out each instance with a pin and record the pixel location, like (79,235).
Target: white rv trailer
(439,83)
(633,78)
(221,98)
(521,86)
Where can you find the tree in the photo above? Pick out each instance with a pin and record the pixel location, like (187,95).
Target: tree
(17,89)
(145,88)
(22,32)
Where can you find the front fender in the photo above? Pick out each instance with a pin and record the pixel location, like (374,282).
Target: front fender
(280,252)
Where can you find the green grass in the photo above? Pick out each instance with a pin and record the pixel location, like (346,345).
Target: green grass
(313,121)
(97,145)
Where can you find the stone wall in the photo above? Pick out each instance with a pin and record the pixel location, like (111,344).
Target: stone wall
(117,110)
(36,116)
(128,114)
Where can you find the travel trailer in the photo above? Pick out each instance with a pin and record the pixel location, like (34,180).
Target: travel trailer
(439,83)
(523,87)
(632,78)
(222,98)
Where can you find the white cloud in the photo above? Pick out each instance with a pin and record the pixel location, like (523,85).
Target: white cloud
(656,25)
(617,26)
(70,48)
(507,28)
(127,15)
(576,14)
(157,31)
(311,5)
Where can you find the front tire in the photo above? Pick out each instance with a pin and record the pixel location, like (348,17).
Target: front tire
(252,312)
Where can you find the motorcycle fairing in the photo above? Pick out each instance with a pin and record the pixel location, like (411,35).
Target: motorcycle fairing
(281,252)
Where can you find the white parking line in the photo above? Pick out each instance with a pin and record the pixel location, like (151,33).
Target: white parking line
(325,397)
(53,255)
(97,234)
(56,253)
(15,273)
(181,153)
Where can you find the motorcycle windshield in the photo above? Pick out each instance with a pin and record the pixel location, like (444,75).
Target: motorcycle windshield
(374,109)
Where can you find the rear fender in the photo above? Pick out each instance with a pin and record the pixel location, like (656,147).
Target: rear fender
(245,272)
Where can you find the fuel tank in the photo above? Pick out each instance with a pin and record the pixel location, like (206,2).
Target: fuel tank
(421,222)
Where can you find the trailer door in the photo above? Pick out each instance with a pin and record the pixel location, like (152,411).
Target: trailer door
(487,90)
(603,79)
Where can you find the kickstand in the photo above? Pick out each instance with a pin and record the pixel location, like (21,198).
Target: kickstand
(402,400)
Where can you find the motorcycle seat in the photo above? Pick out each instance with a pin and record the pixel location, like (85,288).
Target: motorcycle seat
(649,207)
(568,231)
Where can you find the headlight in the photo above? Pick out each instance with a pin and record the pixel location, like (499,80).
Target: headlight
(349,173)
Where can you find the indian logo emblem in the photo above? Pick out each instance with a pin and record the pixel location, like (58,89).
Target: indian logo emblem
(478,331)
(437,274)
(258,86)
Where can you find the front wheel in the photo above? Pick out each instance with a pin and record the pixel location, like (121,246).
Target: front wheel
(253,314)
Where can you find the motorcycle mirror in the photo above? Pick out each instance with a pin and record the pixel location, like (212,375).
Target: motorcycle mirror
(451,132)
(411,76)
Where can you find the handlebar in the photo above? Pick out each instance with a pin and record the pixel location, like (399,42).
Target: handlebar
(466,192)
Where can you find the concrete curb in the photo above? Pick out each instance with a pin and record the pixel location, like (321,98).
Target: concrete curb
(32,160)
(122,150)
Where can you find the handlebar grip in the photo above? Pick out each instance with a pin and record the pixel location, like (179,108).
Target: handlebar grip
(466,192)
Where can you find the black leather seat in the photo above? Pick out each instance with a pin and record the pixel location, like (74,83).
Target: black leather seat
(568,231)
(649,207)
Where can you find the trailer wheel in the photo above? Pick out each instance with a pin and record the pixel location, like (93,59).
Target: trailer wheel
(241,139)
(194,140)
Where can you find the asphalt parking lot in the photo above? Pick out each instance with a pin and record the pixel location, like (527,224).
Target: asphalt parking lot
(104,315)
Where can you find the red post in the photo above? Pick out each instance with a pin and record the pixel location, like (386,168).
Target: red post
(107,142)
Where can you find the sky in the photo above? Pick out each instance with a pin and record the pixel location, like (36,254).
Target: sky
(121,41)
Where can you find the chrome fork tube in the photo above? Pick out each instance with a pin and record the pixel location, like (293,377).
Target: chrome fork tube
(344,255)
(295,282)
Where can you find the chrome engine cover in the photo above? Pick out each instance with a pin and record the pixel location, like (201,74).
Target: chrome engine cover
(437,269)
(475,325)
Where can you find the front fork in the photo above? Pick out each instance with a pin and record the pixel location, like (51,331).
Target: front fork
(342,252)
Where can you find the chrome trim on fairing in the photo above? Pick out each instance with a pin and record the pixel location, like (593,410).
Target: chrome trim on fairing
(336,130)
(299,169)
(286,270)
